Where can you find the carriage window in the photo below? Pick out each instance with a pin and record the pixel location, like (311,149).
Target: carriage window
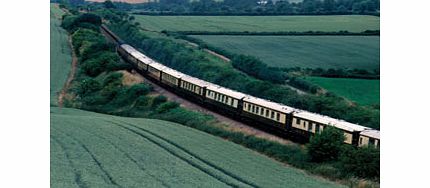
(272,115)
(267,113)
(257,110)
(297,121)
(278,116)
(253,108)
(249,107)
(310,127)
(372,141)
(262,111)
(361,140)
(317,128)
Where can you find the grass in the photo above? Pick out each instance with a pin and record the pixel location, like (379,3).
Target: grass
(60,55)
(365,92)
(95,150)
(325,52)
(352,23)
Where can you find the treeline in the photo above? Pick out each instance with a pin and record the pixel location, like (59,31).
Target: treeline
(335,73)
(277,33)
(103,91)
(259,7)
(196,63)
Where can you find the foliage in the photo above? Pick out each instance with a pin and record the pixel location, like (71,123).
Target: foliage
(164,107)
(361,162)
(88,21)
(88,86)
(327,145)
(258,69)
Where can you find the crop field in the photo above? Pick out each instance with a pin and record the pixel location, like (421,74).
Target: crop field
(352,23)
(325,52)
(95,150)
(365,92)
(60,55)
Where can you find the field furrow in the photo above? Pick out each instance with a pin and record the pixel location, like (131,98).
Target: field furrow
(132,152)
(188,157)
(70,175)
(105,174)
(141,166)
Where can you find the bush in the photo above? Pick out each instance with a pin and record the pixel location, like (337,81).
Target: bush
(88,86)
(158,100)
(361,162)
(258,69)
(327,145)
(164,107)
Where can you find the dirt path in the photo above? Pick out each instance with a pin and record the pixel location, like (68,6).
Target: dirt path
(229,124)
(71,76)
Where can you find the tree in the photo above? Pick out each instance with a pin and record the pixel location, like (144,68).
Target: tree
(362,162)
(108,4)
(327,145)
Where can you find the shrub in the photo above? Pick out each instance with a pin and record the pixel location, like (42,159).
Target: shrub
(158,100)
(327,145)
(164,107)
(88,86)
(361,162)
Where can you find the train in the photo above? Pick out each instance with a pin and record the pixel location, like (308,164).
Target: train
(290,121)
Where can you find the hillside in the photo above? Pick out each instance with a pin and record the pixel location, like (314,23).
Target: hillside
(60,54)
(95,150)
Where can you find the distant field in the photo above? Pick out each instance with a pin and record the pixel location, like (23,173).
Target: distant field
(352,23)
(365,92)
(95,150)
(60,54)
(304,51)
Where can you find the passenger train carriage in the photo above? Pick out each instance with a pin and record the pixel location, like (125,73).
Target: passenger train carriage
(239,105)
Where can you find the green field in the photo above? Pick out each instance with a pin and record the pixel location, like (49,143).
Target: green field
(95,150)
(352,23)
(362,91)
(60,54)
(325,52)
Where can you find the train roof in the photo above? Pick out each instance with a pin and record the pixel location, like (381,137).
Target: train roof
(226,91)
(158,66)
(128,48)
(195,81)
(341,124)
(173,72)
(145,60)
(269,104)
(371,133)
